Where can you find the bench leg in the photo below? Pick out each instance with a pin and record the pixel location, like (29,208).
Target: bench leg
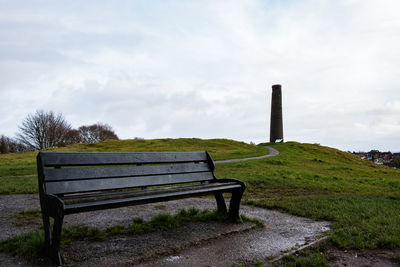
(220,202)
(56,238)
(235,204)
(47,233)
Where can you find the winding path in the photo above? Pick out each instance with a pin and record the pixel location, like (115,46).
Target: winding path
(272,152)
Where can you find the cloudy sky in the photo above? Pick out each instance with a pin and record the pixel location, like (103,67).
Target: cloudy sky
(204,68)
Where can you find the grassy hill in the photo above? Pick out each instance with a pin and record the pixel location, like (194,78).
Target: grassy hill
(18,170)
(360,198)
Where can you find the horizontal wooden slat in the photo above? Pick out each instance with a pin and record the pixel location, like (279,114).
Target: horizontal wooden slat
(87,206)
(104,195)
(59,174)
(51,159)
(77,186)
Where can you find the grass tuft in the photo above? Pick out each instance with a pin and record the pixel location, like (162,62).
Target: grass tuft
(27,217)
(257,222)
(164,221)
(116,230)
(82,232)
(313,260)
(30,245)
(29,214)
(396,258)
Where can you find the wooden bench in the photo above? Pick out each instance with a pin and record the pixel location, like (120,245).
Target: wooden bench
(79,182)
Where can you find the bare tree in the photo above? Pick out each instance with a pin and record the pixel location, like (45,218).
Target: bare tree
(9,145)
(73,137)
(4,144)
(96,133)
(43,129)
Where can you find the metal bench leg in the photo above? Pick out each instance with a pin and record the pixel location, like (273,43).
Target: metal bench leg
(235,204)
(55,242)
(47,233)
(220,202)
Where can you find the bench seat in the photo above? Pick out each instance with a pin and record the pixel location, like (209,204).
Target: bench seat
(81,203)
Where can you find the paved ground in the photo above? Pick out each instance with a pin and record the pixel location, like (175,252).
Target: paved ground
(194,244)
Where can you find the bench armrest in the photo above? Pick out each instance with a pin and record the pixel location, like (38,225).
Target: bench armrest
(51,205)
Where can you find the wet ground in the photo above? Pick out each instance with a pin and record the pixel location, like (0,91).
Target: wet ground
(193,244)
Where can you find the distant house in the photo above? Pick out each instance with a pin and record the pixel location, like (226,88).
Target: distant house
(388,156)
(378,157)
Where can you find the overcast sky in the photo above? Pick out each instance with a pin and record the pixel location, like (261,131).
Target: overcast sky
(170,69)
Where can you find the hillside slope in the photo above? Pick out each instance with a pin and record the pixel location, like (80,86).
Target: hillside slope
(18,170)
(361,198)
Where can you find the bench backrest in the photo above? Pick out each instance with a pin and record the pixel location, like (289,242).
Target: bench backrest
(77,172)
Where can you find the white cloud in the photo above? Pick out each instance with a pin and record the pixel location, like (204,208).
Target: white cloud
(205,68)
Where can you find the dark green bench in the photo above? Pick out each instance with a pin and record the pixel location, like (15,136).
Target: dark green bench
(79,182)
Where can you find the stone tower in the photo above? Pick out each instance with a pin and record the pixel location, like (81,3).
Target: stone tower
(276,128)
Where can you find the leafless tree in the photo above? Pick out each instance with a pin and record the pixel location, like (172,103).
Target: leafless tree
(73,137)
(4,148)
(43,129)
(9,145)
(96,133)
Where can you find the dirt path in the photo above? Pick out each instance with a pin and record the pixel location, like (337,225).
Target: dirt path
(272,152)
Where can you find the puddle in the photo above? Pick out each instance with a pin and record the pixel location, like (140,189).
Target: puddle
(172,258)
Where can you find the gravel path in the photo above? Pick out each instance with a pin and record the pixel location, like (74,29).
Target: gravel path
(272,152)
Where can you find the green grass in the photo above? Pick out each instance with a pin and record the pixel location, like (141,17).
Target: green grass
(257,222)
(396,258)
(309,257)
(164,221)
(18,170)
(29,245)
(218,148)
(27,217)
(18,184)
(307,260)
(78,232)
